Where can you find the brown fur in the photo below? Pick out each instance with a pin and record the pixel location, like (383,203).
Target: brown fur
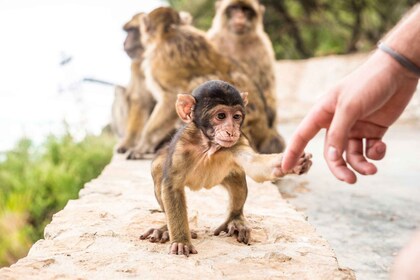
(196,161)
(252,47)
(140,100)
(177,59)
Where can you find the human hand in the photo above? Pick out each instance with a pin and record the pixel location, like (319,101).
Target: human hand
(356,113)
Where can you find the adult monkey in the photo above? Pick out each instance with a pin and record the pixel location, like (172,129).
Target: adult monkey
(210,150)
(177,59)
(140,101)
(238,30)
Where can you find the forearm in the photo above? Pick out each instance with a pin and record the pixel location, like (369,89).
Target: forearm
(257,166)
(404,38)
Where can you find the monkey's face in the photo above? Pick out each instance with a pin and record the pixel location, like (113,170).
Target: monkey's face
(226,122)
(240,18)
(132,43)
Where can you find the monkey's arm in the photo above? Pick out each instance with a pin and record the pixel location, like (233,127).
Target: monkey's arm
(267,167)
(141,104)
(160,124)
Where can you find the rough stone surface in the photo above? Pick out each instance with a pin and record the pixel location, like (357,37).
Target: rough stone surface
(97,236)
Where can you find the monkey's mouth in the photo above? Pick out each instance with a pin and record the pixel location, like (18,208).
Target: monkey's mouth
(239,28)
(133,52)
(226,142)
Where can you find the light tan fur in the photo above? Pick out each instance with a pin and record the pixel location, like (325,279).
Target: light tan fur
(140,102)
(252,48)
(178,58)
(196,161)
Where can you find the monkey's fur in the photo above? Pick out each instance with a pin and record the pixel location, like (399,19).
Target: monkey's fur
(238,31)
(209,150)
(140,101)
(178,58)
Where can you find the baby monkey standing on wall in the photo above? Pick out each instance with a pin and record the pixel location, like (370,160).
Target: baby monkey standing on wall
(210,150)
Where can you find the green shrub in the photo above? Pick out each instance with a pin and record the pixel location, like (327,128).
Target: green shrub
(37,181)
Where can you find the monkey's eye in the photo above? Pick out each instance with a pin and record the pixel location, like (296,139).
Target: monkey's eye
(237,116)
(221,116)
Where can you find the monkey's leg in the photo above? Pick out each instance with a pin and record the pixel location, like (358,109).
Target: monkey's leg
(177,218)
(160,124)
(136,120)
(236,223)
(119,111)
(159,234)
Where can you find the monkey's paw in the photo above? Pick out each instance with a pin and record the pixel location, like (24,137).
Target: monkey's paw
(133,155)
(122,149)
(236,227)
(303,165)
(156,235)
(179,248)
(160,235)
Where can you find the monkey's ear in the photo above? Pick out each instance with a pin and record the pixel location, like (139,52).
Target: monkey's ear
(244,96)
(184,107)
(186,17)
(262,9)
(217,4)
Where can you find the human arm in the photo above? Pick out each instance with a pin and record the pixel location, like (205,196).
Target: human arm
(358,111)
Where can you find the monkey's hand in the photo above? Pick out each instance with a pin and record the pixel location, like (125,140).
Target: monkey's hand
(182,248)
(235,226)
(123,148)
(160,235)
(135,154)
(156,234)
(303,165)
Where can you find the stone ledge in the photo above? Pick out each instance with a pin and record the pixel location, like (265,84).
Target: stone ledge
(97,236)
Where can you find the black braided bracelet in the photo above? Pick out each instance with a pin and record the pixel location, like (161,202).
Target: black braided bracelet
(400,58)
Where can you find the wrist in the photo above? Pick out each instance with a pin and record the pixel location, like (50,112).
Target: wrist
(388,63)
(401,59)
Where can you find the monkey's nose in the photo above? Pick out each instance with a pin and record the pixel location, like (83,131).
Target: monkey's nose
(230,134)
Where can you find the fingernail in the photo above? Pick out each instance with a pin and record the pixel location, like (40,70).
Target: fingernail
(332,153)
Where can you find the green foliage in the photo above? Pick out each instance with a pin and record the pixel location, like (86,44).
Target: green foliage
(305,28)
(36,182)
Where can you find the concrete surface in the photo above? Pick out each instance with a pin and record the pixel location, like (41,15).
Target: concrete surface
(367,223)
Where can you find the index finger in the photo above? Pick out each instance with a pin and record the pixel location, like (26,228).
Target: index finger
(313,122)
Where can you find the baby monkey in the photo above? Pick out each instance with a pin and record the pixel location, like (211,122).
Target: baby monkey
(210,150)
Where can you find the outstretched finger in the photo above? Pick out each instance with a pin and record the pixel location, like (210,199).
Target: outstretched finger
(313,122)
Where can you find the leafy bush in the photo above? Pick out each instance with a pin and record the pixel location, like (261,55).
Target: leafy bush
(37,181)
(306,28)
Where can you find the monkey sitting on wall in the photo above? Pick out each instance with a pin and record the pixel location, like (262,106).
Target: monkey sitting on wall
(238,31)
(140,101)
(210,150)
(177,59)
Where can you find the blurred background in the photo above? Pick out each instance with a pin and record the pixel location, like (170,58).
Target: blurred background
(52,121)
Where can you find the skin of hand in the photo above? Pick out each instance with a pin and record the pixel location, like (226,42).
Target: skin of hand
(356,113)
(406,264)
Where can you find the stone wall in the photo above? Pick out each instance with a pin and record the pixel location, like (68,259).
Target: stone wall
(97,236)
